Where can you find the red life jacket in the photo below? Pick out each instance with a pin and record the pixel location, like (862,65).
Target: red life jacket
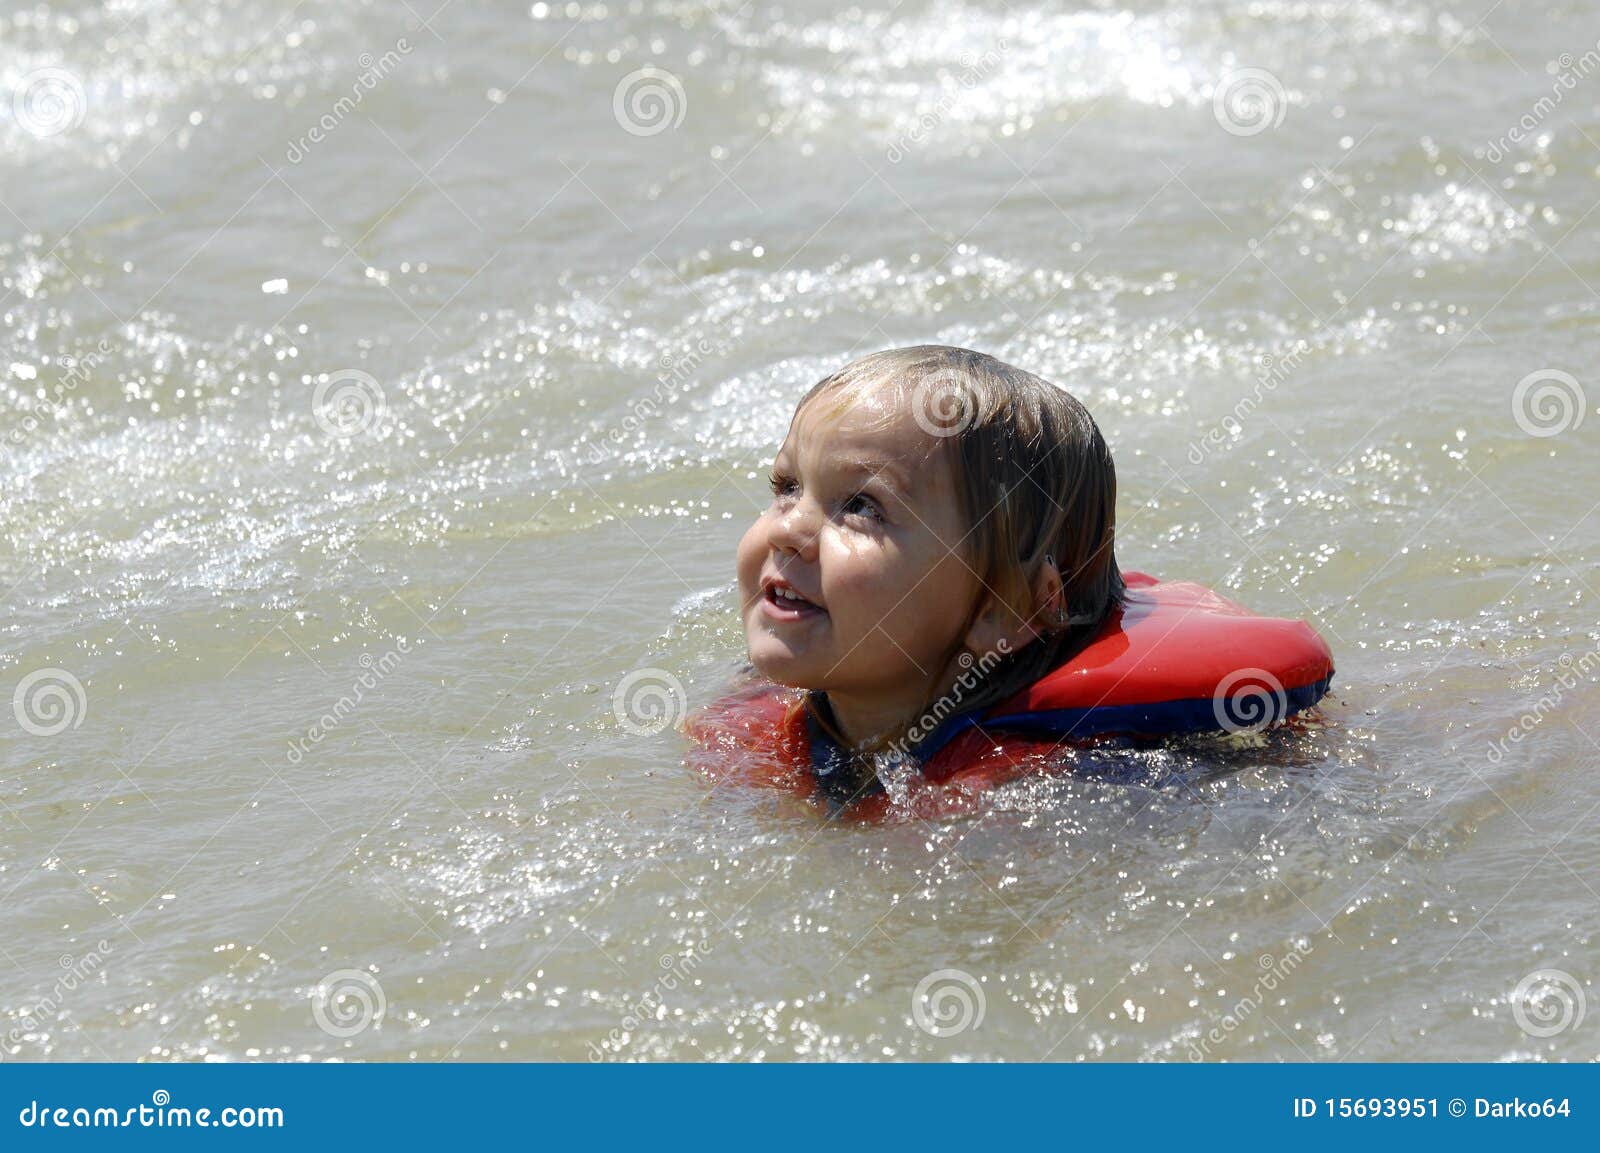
(1173,658)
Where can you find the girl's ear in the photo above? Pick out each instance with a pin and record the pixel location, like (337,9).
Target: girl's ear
(998,624)
(1049,595)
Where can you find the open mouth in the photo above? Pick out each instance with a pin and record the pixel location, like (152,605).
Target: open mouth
(780,601)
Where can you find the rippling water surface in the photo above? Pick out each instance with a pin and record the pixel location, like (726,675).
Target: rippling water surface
(378,396)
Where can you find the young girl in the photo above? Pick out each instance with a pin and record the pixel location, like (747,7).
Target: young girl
(940,536)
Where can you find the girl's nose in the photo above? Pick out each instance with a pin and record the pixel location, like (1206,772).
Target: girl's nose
(795,530)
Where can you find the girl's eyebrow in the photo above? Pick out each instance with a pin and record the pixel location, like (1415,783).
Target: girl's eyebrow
(888,471)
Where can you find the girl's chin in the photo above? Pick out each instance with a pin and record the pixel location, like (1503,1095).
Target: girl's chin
(783,667)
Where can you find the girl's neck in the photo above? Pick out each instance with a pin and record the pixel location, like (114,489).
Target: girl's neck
(872,722)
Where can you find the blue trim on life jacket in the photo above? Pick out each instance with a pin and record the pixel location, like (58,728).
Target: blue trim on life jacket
(1155,719)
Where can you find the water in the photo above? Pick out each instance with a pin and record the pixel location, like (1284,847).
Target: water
(335,683)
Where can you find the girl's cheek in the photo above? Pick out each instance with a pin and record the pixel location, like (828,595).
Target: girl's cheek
(852,565)
(863,546)
(747,557)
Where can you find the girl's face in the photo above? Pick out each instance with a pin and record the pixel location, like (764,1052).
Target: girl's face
(852,580)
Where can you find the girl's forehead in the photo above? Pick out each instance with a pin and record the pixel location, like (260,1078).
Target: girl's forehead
(873,423)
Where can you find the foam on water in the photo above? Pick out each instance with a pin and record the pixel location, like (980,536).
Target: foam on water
(948,73)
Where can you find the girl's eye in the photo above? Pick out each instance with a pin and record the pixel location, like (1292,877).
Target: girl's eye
(782,485)
(863,505)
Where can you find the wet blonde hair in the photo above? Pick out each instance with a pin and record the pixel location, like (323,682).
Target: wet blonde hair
(1036,484)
